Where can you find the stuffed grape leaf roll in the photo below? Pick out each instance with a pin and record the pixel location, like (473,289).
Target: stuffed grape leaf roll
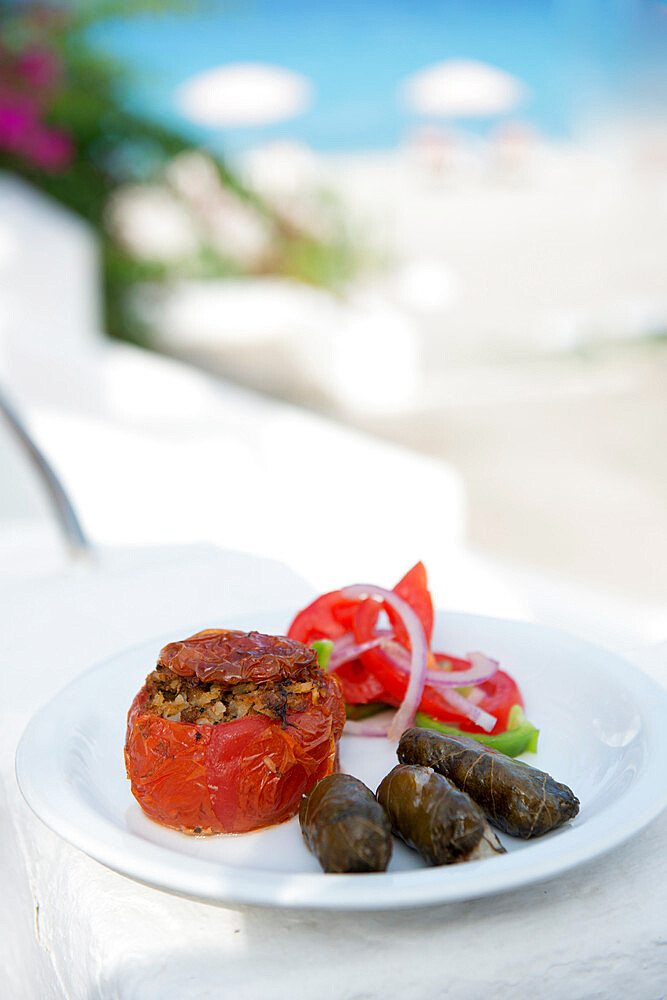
(345,827)
(517,798)
(432,816)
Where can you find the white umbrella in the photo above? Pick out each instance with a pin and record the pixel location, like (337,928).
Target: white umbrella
(461,88)
(242,94)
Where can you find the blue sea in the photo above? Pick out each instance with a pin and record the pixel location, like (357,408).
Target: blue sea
(580,59)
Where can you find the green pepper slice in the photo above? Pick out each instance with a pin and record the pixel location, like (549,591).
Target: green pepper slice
(520,736)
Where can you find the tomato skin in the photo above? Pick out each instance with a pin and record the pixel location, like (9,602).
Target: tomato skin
(259,769)
(235,776)
(166,764)
(235,657)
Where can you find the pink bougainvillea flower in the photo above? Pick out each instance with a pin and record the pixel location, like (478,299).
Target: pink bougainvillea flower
(49,148)
(18,118)
(22,133)
(40,68)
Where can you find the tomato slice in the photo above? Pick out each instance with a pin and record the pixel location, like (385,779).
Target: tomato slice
(358,684)
(413,588)
(500,693)
(328,617)
(332,616)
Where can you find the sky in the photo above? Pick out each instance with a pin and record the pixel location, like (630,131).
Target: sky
(580,59)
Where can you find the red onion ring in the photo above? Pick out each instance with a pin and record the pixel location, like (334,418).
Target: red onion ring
(406,710)
(482,668)
(347,649)
(475,695)
(446,681)
(483,719)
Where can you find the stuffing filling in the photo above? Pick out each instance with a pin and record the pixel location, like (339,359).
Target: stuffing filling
(187,699)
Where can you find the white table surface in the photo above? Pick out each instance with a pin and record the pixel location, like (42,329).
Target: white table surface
(71,928)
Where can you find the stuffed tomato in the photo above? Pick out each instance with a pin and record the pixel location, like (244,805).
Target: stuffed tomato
(230,730)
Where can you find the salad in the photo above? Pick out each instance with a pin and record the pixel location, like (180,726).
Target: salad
(378,644)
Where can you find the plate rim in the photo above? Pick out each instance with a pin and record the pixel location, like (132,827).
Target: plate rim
(386,890)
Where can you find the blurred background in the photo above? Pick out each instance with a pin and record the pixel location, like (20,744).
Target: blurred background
(441,223)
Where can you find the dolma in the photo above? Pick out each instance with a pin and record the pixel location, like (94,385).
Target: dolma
(516,798)
(486,848)
(432,816)
(345,827)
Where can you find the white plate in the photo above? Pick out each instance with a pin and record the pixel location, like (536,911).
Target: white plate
(603,732)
